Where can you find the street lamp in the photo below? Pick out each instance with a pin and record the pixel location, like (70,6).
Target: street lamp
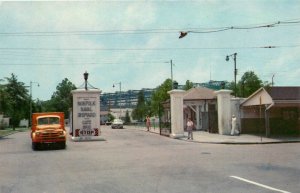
(273,79)
(235,70)
(31,82)
(120,86)
(86,76)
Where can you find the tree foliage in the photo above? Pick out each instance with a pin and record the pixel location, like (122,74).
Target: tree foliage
(16,103)
(110,117)
(142,109)
(127,118)
(247,85)
(188,85)
(61,99)
(3,97)
(160,95)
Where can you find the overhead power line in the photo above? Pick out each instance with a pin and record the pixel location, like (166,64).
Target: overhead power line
(151,31)
(143,49)
(183,33)
(80,63)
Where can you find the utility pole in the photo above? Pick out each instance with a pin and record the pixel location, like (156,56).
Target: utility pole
(235,73)
(172,74)
(31,100)
(120,84)
(235,70)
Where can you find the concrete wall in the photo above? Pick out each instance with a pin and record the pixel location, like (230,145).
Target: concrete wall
(224,111)
(177,123)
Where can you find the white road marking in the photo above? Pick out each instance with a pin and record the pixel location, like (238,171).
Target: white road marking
(258,184)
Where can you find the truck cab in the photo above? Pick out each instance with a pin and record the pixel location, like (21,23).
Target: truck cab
(48,128)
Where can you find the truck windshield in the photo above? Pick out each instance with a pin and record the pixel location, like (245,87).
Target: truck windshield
(48,121)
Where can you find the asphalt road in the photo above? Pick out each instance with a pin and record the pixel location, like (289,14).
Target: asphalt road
(134,161)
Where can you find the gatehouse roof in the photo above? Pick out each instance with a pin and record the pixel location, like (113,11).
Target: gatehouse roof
(199,93)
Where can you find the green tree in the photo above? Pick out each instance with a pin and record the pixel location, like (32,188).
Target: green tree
(248,84)
(127,117)
(160,95)
(188,85)
(61,99)
(141,109)
(110,117)
(3,96)
(37,106)
(17,100)
(232,87)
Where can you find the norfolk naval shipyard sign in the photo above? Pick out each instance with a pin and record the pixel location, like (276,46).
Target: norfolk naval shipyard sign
(86,114)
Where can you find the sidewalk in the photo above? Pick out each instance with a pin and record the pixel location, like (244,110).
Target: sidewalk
(214,138)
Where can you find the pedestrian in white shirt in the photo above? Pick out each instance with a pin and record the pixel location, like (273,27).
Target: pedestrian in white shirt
(189,128)
(233,125)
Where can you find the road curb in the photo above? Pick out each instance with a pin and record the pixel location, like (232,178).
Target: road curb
(2,136)
(241,143)
(226,142)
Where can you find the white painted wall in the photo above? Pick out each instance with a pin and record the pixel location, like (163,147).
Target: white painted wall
(224,111)
(177,125)
(86,114)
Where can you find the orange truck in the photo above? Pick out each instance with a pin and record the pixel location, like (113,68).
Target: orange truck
(48,128)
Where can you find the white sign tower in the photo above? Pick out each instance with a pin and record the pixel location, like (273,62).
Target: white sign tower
(86,113)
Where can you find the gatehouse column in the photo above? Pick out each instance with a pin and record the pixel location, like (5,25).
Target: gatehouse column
(224,111)
(177,124)
(198,117)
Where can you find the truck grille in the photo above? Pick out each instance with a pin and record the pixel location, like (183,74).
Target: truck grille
(49,135)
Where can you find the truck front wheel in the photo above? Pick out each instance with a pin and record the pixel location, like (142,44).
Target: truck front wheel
(63,145)
(35,146)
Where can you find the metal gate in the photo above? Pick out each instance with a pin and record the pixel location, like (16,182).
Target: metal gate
(213,122)
(165,128)
(165,119)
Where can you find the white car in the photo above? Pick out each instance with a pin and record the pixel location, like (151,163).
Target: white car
(117,124)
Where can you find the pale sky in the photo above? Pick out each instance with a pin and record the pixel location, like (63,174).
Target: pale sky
(132,42)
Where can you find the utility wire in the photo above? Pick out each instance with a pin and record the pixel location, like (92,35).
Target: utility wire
(142,49)
(150,31)
(94,60)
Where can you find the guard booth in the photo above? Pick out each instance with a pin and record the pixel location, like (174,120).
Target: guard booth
(85,118)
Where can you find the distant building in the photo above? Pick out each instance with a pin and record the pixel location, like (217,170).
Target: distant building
(117,104)
(127,100)
(4,121)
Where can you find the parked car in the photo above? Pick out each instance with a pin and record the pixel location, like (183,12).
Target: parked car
(107,123)
(117,124)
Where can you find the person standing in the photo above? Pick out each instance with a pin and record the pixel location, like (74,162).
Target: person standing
(189,128)
(233,125)
(148,124)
